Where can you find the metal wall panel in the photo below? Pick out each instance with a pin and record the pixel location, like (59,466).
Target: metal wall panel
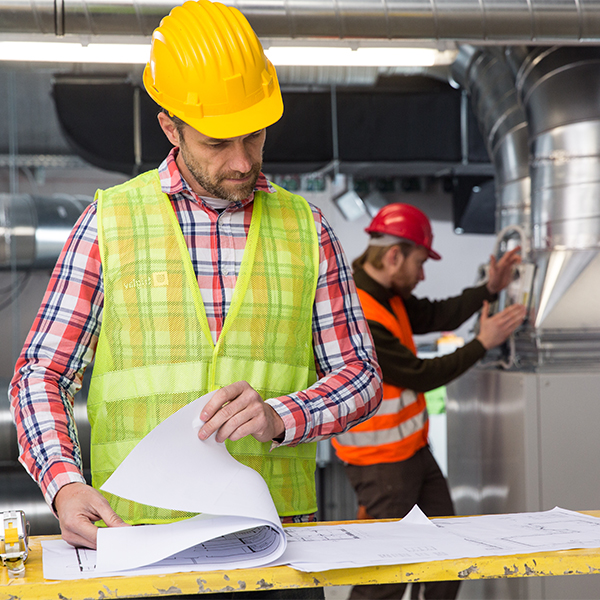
(521,442)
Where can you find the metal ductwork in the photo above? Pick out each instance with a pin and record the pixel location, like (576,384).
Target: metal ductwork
(489,21)
(525,438)
(539,112)
(33,229)
(559,88)
(490,83)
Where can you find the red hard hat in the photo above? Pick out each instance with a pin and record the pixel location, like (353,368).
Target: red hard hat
(407,222)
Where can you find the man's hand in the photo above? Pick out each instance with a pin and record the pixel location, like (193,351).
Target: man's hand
(78,506)
(501,272)
(237,410)
(495,329)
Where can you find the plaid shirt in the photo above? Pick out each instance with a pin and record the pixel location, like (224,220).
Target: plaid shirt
(63,338)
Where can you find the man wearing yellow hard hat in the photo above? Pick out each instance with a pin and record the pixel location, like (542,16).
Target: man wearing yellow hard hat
(198,276)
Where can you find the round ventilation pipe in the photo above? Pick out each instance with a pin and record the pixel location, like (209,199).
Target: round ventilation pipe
(33,229)
(491,86)
(559,88)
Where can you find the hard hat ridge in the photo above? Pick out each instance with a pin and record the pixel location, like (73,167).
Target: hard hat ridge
(208,67)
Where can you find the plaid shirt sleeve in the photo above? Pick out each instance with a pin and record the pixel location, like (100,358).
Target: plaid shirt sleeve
(50,369)
(349,388)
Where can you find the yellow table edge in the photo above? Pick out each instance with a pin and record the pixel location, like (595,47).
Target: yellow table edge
(34,587)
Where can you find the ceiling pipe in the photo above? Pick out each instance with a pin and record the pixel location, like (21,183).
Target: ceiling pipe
(490,83)
(470,21)
(33,229)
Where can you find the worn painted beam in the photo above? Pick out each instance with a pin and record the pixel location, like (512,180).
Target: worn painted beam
(34,587)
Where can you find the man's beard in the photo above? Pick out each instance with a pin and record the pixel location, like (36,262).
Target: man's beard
(213,185)
(404,291)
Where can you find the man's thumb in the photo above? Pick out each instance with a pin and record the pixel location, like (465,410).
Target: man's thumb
(485,309)
(112,519)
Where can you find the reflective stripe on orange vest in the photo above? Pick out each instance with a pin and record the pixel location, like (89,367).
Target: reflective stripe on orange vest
(399,427)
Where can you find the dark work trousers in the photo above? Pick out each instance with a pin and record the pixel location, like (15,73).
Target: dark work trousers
(389,491)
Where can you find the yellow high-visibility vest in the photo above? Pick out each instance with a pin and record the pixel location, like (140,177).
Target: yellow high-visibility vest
(155,352)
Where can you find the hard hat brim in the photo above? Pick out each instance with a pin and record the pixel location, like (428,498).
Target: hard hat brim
(249,120)
(254,118)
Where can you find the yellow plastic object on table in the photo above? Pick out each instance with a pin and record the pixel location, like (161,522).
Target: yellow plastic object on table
(13,542)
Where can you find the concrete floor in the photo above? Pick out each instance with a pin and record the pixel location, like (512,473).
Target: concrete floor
(341,592)
(338,592)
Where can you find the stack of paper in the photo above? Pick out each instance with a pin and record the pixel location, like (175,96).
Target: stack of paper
(418,539)
(172,468)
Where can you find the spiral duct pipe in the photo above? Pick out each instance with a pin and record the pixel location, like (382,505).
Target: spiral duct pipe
(559,88)
(33,229)
(490,84)
(490,21)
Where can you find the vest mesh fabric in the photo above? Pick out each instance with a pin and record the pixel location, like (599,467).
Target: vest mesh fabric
(155,353)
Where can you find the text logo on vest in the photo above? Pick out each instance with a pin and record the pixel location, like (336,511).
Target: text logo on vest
(159,279)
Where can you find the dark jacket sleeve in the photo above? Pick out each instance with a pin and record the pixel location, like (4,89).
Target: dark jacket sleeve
(402,368)
(445,315)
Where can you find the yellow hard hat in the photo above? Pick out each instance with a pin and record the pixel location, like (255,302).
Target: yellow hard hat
(208,67)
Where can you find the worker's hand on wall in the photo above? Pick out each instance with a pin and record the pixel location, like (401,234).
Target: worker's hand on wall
(237,410)
(495,329)
(78,507)
(501,271)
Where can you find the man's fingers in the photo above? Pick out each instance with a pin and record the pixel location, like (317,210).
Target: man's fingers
(517,315)
(237,410)
(78,507)
(112,519)
(494,330)
(223,423)
(222,407)
(221,398)
(510,318)
(485,310)
(79,533)
(79,529)
(512,255)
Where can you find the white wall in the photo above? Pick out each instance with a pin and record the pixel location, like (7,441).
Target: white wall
(462,255)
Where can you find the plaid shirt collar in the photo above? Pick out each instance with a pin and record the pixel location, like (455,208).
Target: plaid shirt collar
(172,182)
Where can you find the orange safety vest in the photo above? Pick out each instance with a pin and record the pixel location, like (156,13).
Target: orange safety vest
(399,427)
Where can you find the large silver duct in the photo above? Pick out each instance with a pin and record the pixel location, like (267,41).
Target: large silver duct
(33,229)
(490,83)
(489,21)
(526,439)
(559,88)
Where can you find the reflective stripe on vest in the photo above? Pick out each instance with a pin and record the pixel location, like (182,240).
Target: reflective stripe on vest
(399,427)
(155,352)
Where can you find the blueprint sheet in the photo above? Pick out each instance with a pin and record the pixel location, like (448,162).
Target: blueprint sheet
(341,546)
(418,539)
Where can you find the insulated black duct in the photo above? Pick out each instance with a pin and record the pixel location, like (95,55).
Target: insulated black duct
(110,123)
(113,125)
